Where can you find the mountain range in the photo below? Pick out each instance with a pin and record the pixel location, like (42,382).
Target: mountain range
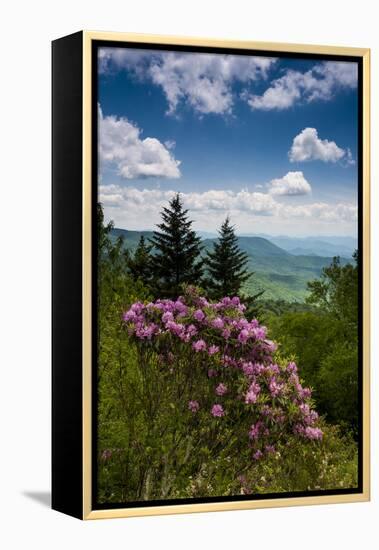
(319,246)
(281,271)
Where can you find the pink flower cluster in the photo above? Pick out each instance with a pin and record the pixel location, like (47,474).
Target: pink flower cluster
(217,410)
(236,358)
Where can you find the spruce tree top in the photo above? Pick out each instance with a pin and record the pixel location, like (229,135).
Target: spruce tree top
(226,264)
(140,263)
(177,250)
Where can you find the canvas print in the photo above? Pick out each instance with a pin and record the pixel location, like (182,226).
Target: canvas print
(228,275)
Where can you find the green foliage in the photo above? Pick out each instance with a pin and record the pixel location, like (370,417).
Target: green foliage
(226,264)
(140,264)
(305,336)
(271,309)
(338,376)
(227,269)
(295,467)
(324,341)
(113,256)
(117,376)
(176,251)
(146,452)
(283,276)
(337,291)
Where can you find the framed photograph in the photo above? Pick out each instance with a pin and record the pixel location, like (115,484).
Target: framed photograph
(210,275)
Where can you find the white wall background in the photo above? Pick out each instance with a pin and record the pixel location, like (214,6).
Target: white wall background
(27,29)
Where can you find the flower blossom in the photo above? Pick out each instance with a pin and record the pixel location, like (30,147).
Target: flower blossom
(193,406)
(275,387)
(253,392)
(313,433)
(291,367)
(217,323)
(191,330)
(221,389)
(213,349)
(226,333)
(255,430)
(199,345)
(175,328)
(199,315)
(243,336)
(167,316)
(217,410)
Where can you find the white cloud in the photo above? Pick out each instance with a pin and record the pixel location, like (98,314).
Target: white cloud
(259,204)
(120,145)
(319,83)
(308,146)
(349,158)
(339,212)
(204,80)
(114,59)
(201,80)
(219,200)
(134,208)
(293,183)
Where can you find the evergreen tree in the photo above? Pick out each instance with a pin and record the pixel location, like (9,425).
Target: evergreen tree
(226,264)
(140,264)
(177,249)
(113,257)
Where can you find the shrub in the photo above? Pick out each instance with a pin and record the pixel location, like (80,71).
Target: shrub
(209,394)
(295,467)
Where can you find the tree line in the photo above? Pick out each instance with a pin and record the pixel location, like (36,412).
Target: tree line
(325,341)
(175,256)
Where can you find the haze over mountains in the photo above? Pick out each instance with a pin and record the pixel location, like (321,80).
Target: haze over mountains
(319,246)
(282,265)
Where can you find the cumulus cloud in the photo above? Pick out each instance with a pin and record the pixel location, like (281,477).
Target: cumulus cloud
(140,208)
(308,146)
(114,59)
(204,81)
(121,145)
(200,80)
(339,212)
(224,200)
(293,183)
(321,82)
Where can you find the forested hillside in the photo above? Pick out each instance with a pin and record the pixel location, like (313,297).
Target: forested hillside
(281,274)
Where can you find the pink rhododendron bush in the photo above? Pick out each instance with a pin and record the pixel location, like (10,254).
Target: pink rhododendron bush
(218,400)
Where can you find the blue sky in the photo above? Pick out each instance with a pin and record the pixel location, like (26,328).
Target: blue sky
(270,142)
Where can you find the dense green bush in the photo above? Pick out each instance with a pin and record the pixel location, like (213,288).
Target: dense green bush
(324,342)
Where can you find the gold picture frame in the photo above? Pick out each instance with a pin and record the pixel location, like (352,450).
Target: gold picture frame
(85,509)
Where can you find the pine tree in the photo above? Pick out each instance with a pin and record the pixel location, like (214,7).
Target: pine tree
(226,264)
(113,257)
(177,249)
(103,231)
(140,264)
